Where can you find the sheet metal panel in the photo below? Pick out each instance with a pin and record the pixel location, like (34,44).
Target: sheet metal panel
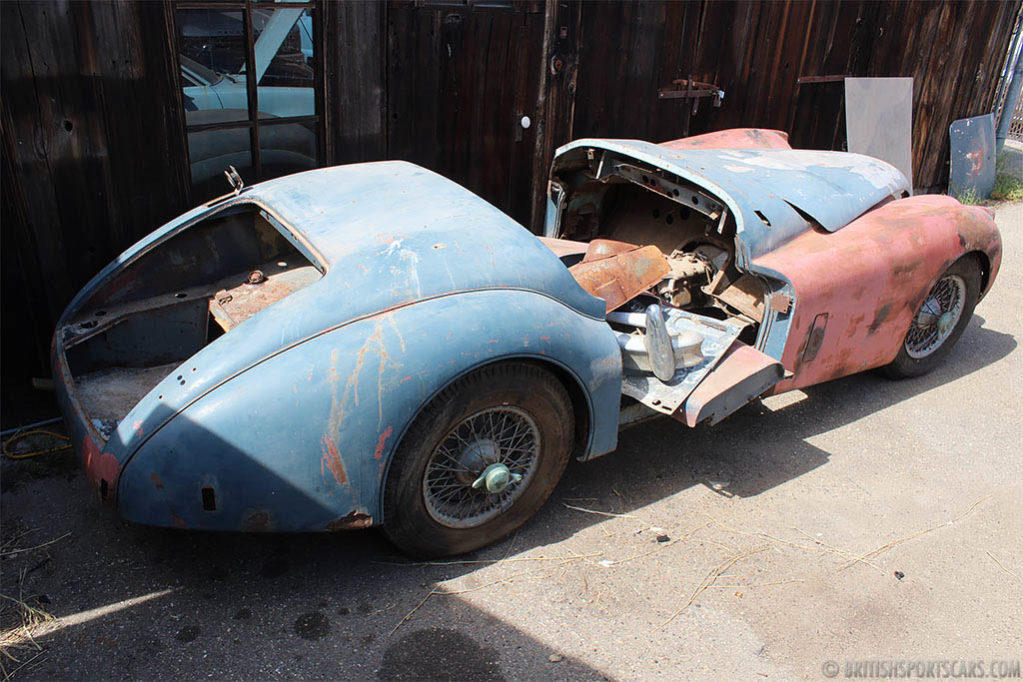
(879,120)
(973,157)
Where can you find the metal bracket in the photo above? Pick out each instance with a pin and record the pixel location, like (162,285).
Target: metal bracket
(686,88)
(237,184)
(688,196)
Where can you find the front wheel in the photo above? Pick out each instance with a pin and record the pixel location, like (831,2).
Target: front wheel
(939,322)
(479,461)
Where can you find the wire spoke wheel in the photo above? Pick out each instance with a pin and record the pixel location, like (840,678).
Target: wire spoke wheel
(937,317)
(481,467)
(479,460)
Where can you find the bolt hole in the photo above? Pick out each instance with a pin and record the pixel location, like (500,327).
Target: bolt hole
(209,499)
(180,294)
(669,219)
(645,179)
(657,213)
(159,397)
(696,200)
(100,313)
(89,324)
(68,126)
(674,192)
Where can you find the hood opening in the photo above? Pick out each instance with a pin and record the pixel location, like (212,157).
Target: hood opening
(151,315)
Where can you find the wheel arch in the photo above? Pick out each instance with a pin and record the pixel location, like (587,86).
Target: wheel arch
(983,261)
(582,406)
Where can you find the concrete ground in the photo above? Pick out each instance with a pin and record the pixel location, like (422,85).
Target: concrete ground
(860,519)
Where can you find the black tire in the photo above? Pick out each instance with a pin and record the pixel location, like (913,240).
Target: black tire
(905,365)
(523,387)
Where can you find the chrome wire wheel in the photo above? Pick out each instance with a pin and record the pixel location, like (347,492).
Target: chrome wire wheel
(481,467)
(937,317)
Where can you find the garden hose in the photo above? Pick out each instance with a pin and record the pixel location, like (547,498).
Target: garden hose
(35,453)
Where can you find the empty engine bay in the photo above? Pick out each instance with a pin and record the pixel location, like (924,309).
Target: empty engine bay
(608,198)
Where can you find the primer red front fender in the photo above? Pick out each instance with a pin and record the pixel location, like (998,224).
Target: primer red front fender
(857,289)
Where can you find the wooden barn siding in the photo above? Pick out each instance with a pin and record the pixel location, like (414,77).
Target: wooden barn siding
(74,198)
(756,51)
(94,142)
(459,78)
(355,77)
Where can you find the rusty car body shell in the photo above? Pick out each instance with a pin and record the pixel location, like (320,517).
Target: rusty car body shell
(291,418)
(289,421)
(848,255)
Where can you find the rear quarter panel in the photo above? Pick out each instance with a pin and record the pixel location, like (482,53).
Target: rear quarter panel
(857,289)
(302,441)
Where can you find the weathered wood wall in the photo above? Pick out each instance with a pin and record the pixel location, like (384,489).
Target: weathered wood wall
(757,51)
(93,142)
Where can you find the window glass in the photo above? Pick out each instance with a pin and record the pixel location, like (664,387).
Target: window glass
(218,66)
(212,47)
(283,54)
(210,152)
(287,148)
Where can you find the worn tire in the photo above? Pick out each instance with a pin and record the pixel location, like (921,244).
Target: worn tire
(408,522)
(905,366)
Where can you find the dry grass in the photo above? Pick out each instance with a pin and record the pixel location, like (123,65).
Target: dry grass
(19,621)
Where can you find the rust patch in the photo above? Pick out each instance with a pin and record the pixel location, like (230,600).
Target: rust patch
(379,452)
(353,519)
(332,460)
(156,480)
(621,277)
(879,318)
(257,522)
(736,138)
(178,521)
(605,248)
(100,468)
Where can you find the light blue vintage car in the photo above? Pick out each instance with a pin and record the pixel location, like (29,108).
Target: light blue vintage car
(373,344)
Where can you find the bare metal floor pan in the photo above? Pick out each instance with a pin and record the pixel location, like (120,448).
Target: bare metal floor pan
(109,394)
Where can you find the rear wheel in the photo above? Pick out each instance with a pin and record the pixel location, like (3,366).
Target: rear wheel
(479,461)
(940,321)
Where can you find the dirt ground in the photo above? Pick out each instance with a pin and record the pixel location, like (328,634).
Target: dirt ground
(861,519)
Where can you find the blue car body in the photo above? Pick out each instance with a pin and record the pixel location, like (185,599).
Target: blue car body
(291,419)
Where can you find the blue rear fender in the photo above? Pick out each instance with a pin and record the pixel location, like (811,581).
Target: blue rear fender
(302,440)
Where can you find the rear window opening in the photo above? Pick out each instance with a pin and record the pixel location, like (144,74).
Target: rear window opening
(183,294)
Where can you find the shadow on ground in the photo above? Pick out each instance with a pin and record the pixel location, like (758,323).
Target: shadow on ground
(334,605)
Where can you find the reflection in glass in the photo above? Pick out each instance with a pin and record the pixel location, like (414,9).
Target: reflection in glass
(213,62)
(287,148)
(216,66)
(284,60)
(212,45)
(211,152)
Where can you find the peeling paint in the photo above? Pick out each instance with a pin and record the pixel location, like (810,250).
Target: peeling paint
(379,452)
(331,461)
(352,520)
